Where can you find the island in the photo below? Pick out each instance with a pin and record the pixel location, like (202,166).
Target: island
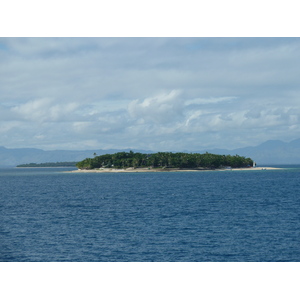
(48,165)
(163,161)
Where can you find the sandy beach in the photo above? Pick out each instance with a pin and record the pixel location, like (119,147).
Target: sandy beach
(140,170)
(250,169)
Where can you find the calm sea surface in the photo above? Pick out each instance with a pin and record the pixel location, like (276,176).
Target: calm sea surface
(49,215)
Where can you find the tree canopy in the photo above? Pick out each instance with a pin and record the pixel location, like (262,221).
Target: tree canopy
(164,160)
(49,164)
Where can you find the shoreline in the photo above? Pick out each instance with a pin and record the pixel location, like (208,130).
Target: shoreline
(147,170)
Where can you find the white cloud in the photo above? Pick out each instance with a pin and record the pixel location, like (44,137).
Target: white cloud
(44,110)
(164,108)
(148,93)
(209,100)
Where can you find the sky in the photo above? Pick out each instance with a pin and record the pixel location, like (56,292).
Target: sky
(152,93)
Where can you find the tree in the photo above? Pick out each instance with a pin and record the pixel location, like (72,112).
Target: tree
(164,159)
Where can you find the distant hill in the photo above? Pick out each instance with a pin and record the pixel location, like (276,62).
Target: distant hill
(14,157)
(269,152)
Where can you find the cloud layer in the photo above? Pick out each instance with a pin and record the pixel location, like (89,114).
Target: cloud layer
(148,93)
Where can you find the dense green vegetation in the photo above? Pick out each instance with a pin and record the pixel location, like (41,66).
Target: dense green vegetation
(164,160)
(49,164)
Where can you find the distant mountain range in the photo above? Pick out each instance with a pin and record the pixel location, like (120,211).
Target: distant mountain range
(269,152)
(17,156)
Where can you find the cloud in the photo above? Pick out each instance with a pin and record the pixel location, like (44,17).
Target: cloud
(154,93)
(44,110)
(164,108)
(209,100)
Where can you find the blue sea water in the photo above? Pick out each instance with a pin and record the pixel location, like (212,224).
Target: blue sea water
(48,215)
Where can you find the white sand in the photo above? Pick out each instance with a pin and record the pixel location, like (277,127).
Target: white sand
(250,169)
(137,170)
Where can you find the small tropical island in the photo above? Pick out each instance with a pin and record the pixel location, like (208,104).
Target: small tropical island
(162,161)
(49,165)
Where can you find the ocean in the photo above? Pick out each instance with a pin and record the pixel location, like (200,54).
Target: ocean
(48,215)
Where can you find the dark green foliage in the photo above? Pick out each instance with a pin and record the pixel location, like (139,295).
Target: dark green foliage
(164,160)
(49,164)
